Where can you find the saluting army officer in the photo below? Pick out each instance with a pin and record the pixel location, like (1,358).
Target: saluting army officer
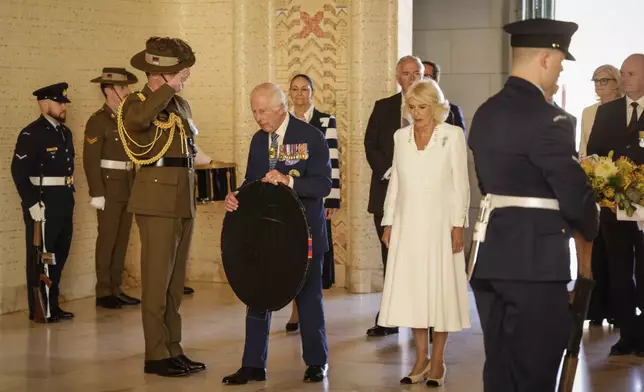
(42,168)
(110,175)
(159,124)
(527,167)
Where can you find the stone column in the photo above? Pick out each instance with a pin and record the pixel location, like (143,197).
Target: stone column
(374,43)
(253,60)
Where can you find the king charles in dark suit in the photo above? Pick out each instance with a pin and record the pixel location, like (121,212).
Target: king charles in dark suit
(310,178)
(619,127)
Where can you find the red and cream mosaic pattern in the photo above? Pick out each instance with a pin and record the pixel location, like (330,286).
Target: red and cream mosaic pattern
(311,38)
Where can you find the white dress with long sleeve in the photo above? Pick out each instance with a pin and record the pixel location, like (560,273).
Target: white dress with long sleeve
(428,194)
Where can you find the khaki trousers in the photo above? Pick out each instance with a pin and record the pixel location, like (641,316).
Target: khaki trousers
(165,243)
(114,224)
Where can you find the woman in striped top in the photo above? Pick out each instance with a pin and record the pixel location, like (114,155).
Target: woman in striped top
(301,93)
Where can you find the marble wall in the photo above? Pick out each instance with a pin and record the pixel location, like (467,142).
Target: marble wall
(465,37)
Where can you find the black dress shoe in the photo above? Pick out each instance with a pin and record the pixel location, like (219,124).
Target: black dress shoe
(623,347)
(244,375)
(53,319)
(63,315)
(292,327)
(168,367)
(596,323)
(127,300)
(316,373)
(109,302)
(188,290)
(190,364)
(381,331)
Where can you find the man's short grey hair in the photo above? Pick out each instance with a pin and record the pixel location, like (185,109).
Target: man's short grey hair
(279,98)
(405,59)
(274,92)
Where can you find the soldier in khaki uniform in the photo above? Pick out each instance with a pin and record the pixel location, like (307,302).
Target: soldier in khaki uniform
(158,123)
(110,176)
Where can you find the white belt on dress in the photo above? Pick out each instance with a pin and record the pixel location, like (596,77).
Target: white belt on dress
(491,202)
(116,165)
(52,181)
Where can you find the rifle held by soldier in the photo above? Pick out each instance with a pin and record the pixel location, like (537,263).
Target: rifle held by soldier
(579,302)
(37,263)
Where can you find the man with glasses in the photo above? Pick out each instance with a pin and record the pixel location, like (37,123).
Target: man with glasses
(619,127)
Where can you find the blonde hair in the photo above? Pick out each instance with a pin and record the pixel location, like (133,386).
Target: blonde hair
(614,73)
(427,91)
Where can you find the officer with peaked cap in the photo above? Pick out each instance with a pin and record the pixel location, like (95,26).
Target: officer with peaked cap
(110,175)
(159,124)
(42,168)
(535,195)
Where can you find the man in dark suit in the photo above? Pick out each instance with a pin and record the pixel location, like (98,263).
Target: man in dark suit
(310,178)
(455,116)
(536,195)
(385,120)
(619,127)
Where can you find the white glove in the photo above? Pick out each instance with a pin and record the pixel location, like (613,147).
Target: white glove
(98,203)
(37,211)
(387,175)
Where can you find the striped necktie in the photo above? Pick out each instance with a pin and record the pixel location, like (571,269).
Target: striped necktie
(273,153)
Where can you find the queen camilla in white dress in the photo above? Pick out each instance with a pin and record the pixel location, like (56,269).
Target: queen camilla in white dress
(428,195)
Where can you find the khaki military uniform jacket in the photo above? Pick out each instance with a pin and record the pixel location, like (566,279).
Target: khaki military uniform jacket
(161,191)
(103,143)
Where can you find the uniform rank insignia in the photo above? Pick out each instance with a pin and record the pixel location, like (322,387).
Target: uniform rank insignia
(52,149)
(91,140)
(294,173)
(21,157)
(559,117)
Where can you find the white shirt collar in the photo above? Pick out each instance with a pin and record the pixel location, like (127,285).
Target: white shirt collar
(629,101)
(307,115)
(51,120)
(281,130)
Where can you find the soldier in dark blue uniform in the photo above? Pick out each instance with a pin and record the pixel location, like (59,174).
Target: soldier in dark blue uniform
(43,169)
(535,195)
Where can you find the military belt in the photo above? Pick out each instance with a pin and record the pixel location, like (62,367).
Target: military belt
(491,202)
(174,162)
(52,181)
(116,165)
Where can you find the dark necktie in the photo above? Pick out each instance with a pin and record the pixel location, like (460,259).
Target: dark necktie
(633,123)
(61,132)
(273,153)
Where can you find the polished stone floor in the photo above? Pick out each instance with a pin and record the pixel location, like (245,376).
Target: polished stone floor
(101,350)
